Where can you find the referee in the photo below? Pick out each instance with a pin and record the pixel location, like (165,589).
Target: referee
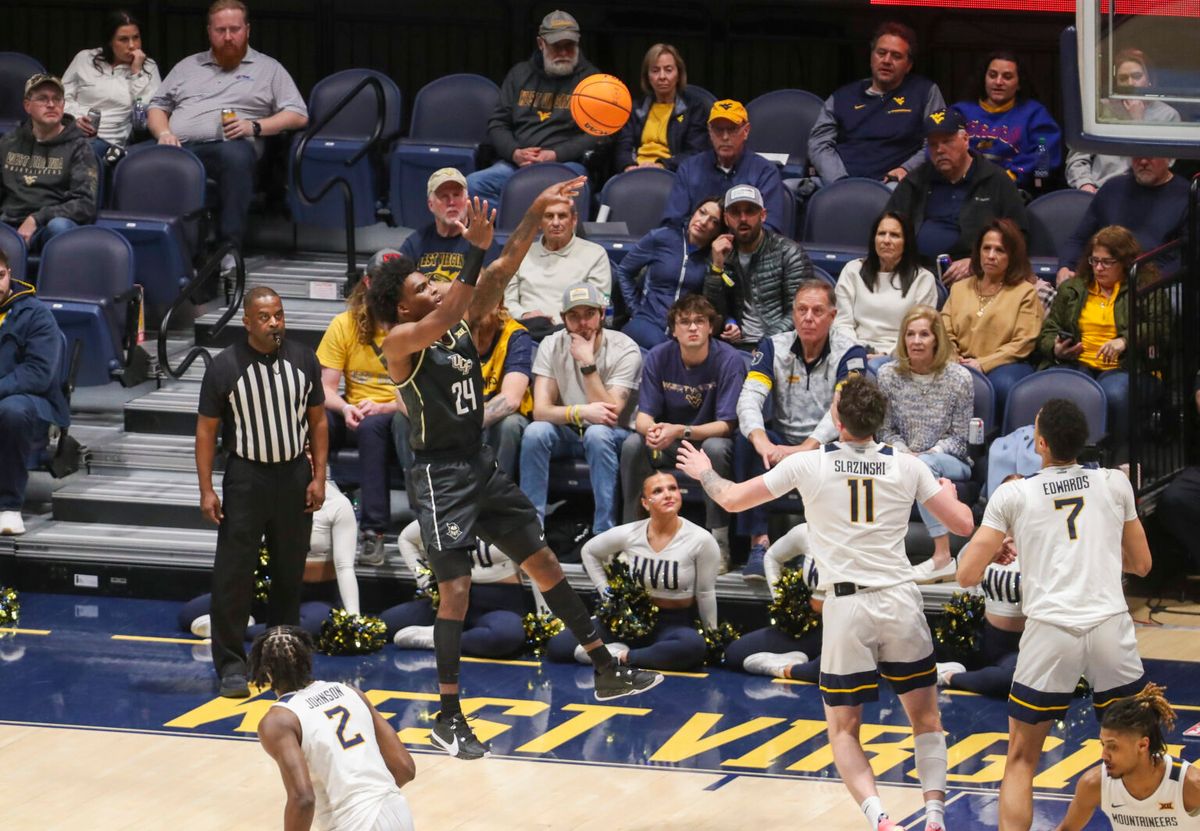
(264,394)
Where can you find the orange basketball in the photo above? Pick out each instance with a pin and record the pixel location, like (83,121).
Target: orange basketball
(600,105)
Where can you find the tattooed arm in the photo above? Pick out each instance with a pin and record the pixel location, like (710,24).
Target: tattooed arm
(495,277)
(731,496)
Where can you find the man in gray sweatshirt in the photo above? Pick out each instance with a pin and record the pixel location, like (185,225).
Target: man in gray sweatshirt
(48,172)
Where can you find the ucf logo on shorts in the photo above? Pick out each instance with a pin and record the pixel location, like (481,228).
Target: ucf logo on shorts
(453,531)
(460,363)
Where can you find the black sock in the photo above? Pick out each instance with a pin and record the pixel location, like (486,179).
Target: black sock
(567,607)
(447,645)
(450,707)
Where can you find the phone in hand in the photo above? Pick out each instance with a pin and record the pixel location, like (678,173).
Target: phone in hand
(1066,337)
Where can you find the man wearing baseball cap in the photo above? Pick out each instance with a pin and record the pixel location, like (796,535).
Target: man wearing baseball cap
(724,165)
(755,271)
(49,174)
(532,121)
(438,248)
(954,194)
(361,416)
(585,382)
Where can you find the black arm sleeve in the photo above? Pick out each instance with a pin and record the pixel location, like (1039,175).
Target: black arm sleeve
(472,265)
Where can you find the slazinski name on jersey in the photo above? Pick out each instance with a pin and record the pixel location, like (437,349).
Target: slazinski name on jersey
(860,468)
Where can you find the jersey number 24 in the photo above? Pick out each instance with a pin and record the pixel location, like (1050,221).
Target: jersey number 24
(464,391)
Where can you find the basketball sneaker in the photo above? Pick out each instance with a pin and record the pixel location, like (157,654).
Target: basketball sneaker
(773,664)
(455,737)
(619,681)
(945,670)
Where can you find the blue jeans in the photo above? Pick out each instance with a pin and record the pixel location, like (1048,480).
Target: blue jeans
(1003,378)
(951,467)
(49,231)
(20,427)
(599,445)
(645,332)
(232,165)
(489,183)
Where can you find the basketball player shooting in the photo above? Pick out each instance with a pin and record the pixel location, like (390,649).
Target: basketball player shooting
(858,495)
(456,486)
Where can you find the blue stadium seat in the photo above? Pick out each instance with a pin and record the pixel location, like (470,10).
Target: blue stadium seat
(1029,394)
(339,141)
(14,248)
(707,97)
(985,400)
(780,122)
(838,221)
(56,450)
(449,123)
(157,201)
(637,197)
(87,281)
(824,275)
(15,69)
(1052,218)
(525,185)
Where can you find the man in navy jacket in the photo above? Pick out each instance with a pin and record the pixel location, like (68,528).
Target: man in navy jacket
(30,396)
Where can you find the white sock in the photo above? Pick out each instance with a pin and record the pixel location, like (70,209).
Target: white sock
(935,812)
(873,809)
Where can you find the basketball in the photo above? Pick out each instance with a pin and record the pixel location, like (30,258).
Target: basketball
(600,105)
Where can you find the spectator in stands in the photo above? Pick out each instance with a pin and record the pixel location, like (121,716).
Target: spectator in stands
(30,396)
(668,126)
(49,175)
(651,278)
(585,384)
(558,260)
(1148,200)
(1177,506)
(994,316)
(1088,325)
(752,287)
(506,352)
(438,248)
(1131,72)
(1006,126)
(872,128)
(116,78)
(689,392)
(931,399)
(800,371)
(875,292)
(189,108)
(954,195)
(724,165)
(532,121)
(351,354)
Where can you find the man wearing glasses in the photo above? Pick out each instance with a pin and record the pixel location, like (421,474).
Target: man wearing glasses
(48,172)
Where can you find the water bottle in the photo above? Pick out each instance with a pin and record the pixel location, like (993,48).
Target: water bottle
(1041,168)
(139,115)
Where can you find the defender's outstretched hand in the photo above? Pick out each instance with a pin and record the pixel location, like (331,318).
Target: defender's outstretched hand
(480,227)
(558,192)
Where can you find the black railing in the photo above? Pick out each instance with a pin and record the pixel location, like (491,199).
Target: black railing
(210,269)
(340,181)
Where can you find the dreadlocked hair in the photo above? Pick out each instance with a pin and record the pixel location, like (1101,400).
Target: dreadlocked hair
(1147,714)
(365,326)
(281,658)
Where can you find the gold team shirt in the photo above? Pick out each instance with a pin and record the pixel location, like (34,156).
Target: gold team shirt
(493,369)
(1097,326)
(362,369)
(654,147)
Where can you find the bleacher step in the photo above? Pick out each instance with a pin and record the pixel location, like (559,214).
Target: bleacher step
(170,410)
(306,320)
(146,451)
(133,497)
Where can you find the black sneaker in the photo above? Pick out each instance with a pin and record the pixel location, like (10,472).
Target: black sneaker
(233,685)
(455,737)
(618,682)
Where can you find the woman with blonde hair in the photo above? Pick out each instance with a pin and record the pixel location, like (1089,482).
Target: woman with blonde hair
(670,123)
(930,401)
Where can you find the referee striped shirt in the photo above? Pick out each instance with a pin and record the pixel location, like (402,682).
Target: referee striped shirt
(261,399)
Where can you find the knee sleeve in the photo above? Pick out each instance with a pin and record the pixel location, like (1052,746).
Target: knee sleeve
(930,750)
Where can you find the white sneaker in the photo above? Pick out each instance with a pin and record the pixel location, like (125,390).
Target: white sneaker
(617,650)
(11,523)
(775,664)
(414,637)
(202,626)
(926,572)
(944,671)
(228,264)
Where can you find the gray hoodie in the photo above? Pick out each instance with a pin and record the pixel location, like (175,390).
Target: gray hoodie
(47,179)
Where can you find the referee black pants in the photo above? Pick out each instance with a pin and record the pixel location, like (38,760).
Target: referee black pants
(259,500)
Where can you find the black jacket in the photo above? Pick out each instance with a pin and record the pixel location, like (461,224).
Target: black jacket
(991,194)
(687,131)
(535,111)
(48,179)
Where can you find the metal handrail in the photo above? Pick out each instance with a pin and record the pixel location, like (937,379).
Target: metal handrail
(211,268)
(347,196)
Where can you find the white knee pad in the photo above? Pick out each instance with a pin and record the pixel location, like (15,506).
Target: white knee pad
(930,749)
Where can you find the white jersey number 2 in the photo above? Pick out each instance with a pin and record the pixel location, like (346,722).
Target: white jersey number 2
(464,391)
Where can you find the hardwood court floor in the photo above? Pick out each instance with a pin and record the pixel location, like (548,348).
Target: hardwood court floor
(109,720)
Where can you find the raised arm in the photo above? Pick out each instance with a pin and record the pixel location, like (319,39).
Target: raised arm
(496,276)
(730,496)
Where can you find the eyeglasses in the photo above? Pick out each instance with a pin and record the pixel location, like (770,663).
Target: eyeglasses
(724,131)
(1102,262)
(47,100)
(689,322)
